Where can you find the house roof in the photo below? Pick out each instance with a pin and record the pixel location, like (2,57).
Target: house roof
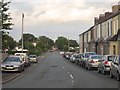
(115,37)
(105,19)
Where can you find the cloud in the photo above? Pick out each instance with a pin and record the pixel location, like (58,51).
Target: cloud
(59,11)
(45,14)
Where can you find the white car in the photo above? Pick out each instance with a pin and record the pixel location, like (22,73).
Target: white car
(93,61)
(105,64)
(61,53)
(33,58)
(25,57)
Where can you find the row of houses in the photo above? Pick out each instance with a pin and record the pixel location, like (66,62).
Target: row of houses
(104,36)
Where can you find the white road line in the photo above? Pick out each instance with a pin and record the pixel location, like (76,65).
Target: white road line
(71,76)
(63,67)
(68,72)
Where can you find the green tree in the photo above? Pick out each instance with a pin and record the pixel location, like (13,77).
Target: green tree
(28,38)
(6,18)
(73,43)
(8,42)
(62,43)
(45,42)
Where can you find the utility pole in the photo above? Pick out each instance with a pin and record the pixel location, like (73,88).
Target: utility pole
(22,30)
(68,45)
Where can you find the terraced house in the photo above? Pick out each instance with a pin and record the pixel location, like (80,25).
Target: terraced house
(104,36)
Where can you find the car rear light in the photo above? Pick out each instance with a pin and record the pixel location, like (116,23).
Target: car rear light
(92,61)
(106,62)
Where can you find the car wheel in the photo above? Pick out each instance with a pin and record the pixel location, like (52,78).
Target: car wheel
(111,75)
(89,68)
(23,69)
(98,70)
(118,77)
(103,71)
(20,70)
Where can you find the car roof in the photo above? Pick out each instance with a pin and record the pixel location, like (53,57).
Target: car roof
(109,55)
(96,55)
(14,56)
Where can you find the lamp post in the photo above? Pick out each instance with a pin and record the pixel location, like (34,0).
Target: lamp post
(22,30)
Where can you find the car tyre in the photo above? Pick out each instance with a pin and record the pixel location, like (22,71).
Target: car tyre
(89,68)
(99,70)
(103,71)
(118,76)
(111,75)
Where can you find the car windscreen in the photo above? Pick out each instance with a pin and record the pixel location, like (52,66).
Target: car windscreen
(110,58)
(96,57)
(88,54)
(12,59)
(32,56)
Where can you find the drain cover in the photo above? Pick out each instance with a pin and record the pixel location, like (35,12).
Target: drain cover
(54,66)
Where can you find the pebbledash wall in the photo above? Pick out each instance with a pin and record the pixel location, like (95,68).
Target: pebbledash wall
(102,37)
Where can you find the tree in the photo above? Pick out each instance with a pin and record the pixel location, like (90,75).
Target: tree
(6,18)
(73,43)
(62,43)
(28,38)
(45,42)
(7,42)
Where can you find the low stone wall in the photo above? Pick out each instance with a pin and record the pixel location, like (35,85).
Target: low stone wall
(4,55)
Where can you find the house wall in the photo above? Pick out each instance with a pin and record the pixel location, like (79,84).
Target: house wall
(111,48)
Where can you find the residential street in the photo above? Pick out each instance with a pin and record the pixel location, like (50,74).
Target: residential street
(53,71)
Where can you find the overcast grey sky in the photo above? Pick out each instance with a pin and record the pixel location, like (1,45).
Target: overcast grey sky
(55,18)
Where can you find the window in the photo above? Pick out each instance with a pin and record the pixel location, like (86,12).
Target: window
(111,27)
(114,49)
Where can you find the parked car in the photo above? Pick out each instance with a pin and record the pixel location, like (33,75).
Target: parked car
(68,55)
(13,63)
(85,57)
(25,57)
(93,61)
(115,68)
(104,65)
(78,58)
(61,53)
(33,58)
(74,57)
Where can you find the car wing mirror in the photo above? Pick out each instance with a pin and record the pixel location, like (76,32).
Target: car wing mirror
(115,63)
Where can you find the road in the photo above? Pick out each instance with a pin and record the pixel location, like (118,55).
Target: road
(53,71)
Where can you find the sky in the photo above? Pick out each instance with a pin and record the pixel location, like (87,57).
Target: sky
(54,18)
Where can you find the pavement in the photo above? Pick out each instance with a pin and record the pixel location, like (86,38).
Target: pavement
(53,71)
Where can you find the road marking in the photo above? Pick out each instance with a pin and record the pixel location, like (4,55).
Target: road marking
(68,72)
(63,67)
(71,76)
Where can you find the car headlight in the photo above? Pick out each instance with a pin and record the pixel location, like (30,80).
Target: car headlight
(3,66)
(16,66)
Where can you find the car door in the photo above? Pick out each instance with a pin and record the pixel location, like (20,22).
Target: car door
(115,66)
(101,64)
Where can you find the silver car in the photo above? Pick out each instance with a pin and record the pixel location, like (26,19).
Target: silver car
(93,61)
(105,64)
(12,63)
(33,58)
(115,68)
(74,57)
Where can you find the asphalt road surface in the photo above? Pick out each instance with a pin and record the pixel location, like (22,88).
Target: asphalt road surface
(53,71)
